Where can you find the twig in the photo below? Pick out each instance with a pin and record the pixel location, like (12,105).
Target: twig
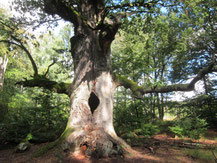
(214,156)
(49,67)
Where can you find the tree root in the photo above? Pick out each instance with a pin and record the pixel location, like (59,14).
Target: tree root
(92,141)
(51,145)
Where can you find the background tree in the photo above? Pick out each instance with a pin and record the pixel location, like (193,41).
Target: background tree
(3,65)
(4,50)
(177,40)
(34,114)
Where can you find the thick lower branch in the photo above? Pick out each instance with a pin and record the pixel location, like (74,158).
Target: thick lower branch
(139,91)
(41,81)
(64,9)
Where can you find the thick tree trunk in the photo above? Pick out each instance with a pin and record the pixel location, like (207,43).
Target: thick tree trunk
(90,126)
(3,65)
(91,119)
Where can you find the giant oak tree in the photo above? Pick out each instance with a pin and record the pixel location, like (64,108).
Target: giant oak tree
(96,22)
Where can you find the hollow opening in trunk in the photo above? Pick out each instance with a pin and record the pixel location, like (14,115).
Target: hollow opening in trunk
(93,101)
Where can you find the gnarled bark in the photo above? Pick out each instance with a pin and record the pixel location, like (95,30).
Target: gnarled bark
(91,117)
(90,125)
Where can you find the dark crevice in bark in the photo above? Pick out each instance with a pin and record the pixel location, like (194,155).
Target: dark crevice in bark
(93,102)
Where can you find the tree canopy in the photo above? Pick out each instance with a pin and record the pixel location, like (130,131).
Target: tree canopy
(181,26)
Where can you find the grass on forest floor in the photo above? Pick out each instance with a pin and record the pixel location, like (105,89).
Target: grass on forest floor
(201,154)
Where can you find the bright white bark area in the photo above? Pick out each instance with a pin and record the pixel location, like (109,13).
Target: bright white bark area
(105,89)
(3,65)
(93,127)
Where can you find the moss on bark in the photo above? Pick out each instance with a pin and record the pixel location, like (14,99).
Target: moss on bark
(42,81)
(133,86)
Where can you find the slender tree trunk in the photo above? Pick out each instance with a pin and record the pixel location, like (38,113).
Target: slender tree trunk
(3,65)
(152,104)
(162,106)
(205,85)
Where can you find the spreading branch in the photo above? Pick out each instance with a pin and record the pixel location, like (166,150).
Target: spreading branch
(139,91)
(40,80)
(11,27)
(64,9)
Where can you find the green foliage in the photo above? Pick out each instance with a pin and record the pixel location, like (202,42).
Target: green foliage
(189,127)
(147,129)
(34,112)
(45,122)
(134,134)
(57,50)
(203,106)
(130,120)
(169,47)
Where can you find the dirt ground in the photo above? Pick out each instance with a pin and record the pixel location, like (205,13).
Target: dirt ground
(160,149)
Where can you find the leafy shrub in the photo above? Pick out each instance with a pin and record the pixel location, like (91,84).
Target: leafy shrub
(12,131)
(147,129)
(45,122)
(189,127)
